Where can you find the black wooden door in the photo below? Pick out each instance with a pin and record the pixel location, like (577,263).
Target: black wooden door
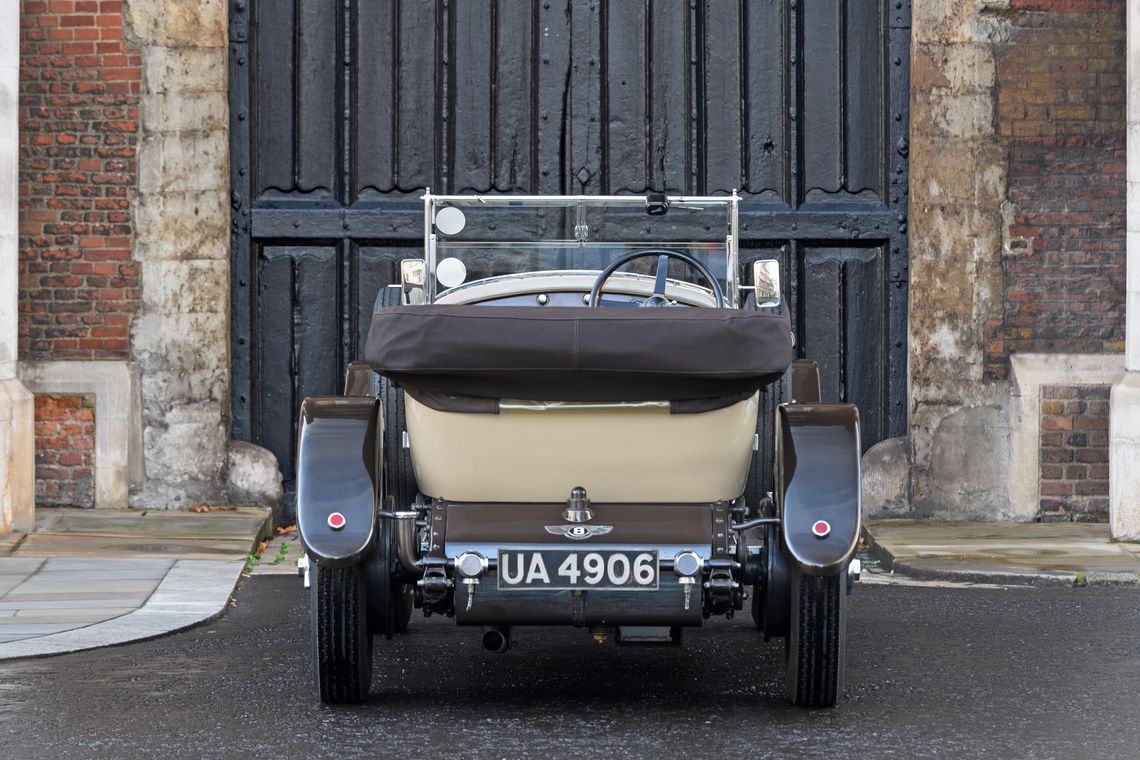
(342,113)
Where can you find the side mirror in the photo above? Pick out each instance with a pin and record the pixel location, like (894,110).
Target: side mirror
(766,280)
(412,279)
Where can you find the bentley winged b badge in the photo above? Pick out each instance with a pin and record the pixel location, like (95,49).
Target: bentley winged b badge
(579,532)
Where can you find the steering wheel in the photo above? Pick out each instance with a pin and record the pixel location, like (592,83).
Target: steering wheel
(663,255)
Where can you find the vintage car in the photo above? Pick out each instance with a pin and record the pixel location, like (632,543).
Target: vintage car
(556,423)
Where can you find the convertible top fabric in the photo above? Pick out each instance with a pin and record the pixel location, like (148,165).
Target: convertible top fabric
(578,353)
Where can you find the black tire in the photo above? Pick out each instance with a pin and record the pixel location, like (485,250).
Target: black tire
(399,477)
(760,480)
(815,647)
(770,597)
(342,644)
(402,490)
(392,601)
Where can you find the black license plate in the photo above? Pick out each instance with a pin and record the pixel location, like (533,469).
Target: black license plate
(562,569)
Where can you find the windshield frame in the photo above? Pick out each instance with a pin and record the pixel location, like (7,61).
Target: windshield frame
(727,204)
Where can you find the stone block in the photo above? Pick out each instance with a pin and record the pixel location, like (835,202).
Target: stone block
(958,114)
(886,478)
(9,100)
(1124,459)
(185,112)
(9,36)
(195,427)
(184,71)
(951,22)
(969,466)
(164,388)
(17,465)
(186,287)
(8,307)
(196,334)
(176,23)
(182,225)
(184,162)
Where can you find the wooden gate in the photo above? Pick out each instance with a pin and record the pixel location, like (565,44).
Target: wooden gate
(342,113)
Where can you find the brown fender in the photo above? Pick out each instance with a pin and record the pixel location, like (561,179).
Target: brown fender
(337,455)
(805,382)
(817,478)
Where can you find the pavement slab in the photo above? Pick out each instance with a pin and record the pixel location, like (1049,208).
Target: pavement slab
(93,578)
(217,534)
(9,542)
(192,592)
(1020,553)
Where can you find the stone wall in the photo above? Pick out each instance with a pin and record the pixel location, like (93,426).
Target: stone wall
(180,339)
(959,430)
(79,126)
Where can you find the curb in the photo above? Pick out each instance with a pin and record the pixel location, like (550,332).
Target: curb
(966,572)
(192,592)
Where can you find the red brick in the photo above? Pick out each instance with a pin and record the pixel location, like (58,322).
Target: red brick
(1060,92)
(1091,488)
(1056,488)
(78,174)
(65,450)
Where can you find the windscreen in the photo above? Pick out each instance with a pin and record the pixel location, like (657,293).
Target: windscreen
(496,237)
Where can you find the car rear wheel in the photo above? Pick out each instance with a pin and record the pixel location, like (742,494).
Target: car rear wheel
(342,644)
(816,639)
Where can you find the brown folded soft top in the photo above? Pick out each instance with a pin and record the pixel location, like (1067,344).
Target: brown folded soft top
(577,353)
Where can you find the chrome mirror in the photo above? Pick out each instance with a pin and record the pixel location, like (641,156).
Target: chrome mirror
(766,280)
(412,279)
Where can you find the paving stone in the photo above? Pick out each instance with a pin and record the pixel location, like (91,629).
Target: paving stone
(84,545)
(19,565)
(63,600)
(73,617)
(31,629)
(218,524)
(1040,553)
(37,585)
(153,567)
(10,541)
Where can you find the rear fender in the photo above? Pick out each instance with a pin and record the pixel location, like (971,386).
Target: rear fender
(805,382)
(338,450)
(817,478)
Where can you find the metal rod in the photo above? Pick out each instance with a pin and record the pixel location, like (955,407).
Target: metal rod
(756,523)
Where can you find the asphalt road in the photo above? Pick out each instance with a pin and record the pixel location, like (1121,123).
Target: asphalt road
(932,672)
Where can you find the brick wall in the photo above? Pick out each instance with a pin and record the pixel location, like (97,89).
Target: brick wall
(1074,452)
(1061,97)
(80,84)
(65,450)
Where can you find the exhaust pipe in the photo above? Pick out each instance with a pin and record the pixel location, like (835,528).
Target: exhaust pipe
(497,639)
